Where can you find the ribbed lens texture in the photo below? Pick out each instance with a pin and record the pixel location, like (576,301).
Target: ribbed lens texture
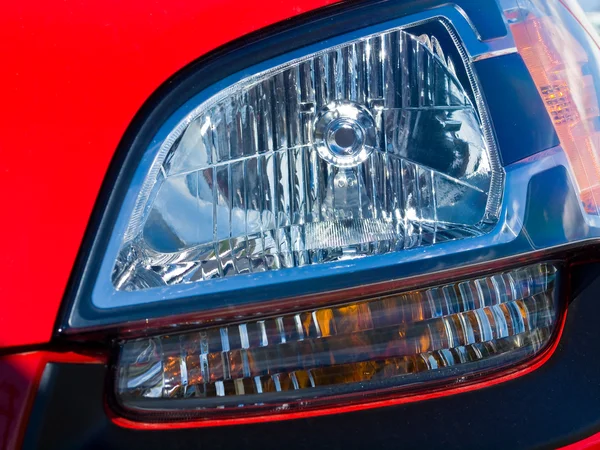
(442,333)
(367,148)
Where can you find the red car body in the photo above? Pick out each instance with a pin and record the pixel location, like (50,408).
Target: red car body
(74,75)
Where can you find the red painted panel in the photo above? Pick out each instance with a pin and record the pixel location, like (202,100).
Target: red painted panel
(74,73)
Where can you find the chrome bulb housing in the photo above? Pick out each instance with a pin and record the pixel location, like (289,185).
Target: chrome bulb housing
(345,134)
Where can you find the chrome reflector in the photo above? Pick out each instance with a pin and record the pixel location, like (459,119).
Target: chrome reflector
(366,148)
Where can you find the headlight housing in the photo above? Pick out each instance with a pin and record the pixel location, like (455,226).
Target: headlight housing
(365,148)
(338,218)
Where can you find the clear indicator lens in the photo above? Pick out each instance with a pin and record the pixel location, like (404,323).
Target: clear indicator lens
(445,333)
(363,149)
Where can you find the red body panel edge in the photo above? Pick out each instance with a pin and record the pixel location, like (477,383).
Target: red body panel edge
(74,74)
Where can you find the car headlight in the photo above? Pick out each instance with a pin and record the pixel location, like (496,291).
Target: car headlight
(366,148)
(353,219)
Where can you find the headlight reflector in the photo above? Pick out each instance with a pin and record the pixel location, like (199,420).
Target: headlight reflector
(370,147)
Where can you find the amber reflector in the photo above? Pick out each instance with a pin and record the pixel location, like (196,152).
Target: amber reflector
(561,69)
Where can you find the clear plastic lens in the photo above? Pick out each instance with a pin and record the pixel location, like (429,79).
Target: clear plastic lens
(447,333)
(363,149)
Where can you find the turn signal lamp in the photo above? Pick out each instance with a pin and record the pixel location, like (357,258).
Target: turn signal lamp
(327,355)
(563,72)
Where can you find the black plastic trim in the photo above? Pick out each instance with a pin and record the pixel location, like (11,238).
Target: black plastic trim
(521,122)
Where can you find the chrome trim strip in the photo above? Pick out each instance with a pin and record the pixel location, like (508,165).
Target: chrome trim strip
(494,54)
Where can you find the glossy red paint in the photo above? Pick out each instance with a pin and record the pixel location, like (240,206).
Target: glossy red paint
(19,378)
(74,73)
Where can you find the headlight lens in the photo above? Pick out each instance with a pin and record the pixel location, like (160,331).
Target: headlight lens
(366,148)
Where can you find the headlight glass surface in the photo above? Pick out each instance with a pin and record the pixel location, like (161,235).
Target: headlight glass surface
(370,147)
